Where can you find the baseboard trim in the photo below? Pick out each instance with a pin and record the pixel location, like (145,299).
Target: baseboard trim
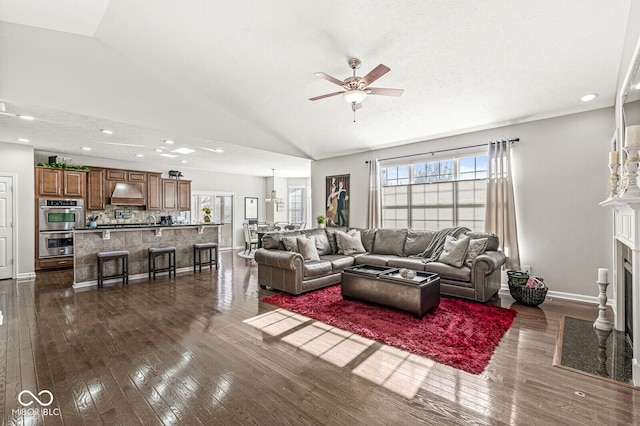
(136,277)
(27,276)
(504,288)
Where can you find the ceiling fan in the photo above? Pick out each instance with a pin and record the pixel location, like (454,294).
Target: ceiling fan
(357,88)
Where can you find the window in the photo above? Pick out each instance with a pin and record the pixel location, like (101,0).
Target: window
(432,195)
(296,204)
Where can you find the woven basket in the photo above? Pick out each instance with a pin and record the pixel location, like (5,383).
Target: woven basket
(529,296)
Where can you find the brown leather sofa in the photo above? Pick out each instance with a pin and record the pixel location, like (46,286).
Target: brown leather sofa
(287,271)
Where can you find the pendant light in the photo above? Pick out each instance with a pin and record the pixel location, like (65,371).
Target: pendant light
(274,198)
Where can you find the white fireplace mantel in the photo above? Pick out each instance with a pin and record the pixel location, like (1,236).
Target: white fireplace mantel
(626,232)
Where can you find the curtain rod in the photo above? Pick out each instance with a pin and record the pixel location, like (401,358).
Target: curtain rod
(514,140)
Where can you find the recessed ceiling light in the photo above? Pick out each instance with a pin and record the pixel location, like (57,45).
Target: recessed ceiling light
(23,140)
(139,155)
(218,150)
(157,150)
(183,150)
(25,117)
(107,131)
(86,148)
(589,97)
(636,86)
(183,161)
(168,141)
(168,155)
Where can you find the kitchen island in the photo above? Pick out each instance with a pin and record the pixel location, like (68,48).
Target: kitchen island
(137,239)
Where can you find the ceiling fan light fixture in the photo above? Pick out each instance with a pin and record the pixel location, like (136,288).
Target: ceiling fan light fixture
(352,96)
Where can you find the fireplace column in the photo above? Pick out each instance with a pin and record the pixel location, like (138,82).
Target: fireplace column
(626,243)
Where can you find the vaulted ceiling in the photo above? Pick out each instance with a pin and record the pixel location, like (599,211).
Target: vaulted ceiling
(238,75)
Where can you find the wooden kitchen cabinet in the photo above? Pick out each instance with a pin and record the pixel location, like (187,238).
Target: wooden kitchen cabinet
(54,262)
(96,189)
(49,182)
(116,175)
(184,195)
(137,177)
(60,183)
(154,191)
(169,194)
(75,182)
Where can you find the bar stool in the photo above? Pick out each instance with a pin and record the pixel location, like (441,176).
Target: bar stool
(104,256)
(154,253)
(199,248)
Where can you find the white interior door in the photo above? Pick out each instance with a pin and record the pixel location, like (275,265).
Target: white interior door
(6,227)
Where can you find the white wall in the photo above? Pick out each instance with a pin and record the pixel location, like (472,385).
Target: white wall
(18,159)
(560,176)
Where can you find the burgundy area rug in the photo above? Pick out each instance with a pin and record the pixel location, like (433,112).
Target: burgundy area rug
(457,333)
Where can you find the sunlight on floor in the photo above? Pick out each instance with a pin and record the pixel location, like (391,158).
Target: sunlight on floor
(394,369)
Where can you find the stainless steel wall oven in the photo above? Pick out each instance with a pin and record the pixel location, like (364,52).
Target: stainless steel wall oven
(56,220)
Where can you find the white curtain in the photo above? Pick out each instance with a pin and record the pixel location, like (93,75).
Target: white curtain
(501,210)
(374,202)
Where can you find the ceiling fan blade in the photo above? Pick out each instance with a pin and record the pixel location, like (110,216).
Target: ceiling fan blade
(326,96)
(355,106)
(375,74)
(329,78)
(384,92)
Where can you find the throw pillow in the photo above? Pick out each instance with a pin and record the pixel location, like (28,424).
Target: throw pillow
(454,251)
(290,243)
(476,248)
(307,248)
(349,243)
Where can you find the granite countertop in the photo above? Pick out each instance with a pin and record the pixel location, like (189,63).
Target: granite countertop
(119,226)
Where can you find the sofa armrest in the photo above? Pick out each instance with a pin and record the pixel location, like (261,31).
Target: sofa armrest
(489,261)
(280,259)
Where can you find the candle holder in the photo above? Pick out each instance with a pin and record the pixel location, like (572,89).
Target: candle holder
(603,335)
(601,322)
(614,178)
(629,187)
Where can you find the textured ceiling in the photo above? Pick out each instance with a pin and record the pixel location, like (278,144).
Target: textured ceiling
(238,74)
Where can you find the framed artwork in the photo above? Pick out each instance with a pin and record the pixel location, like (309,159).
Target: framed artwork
(338,189)
(251,208)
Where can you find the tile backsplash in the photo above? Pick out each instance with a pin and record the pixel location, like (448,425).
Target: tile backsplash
(135,214)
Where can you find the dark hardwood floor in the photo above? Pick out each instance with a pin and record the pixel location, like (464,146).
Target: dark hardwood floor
(176,351)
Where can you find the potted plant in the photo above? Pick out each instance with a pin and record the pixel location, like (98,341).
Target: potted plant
(321,221)
(207,214)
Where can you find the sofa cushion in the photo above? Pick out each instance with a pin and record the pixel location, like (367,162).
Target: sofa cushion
(349,243)
(273,240)
(315,268)
(322,242)
(339,261)
(449,272)
(476,248)
(307,248)
(406,262)
(331,236)
(389,241)
(374,259)
(417,242)
(493,242)
(290,243)
(454,250)
(368,237)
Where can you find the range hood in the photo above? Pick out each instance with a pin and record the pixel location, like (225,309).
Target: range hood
(128,194)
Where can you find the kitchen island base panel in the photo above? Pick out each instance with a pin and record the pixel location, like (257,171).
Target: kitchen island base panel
(88,242)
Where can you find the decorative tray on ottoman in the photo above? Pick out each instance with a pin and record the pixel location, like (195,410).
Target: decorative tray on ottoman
(370,270)
(419,277)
